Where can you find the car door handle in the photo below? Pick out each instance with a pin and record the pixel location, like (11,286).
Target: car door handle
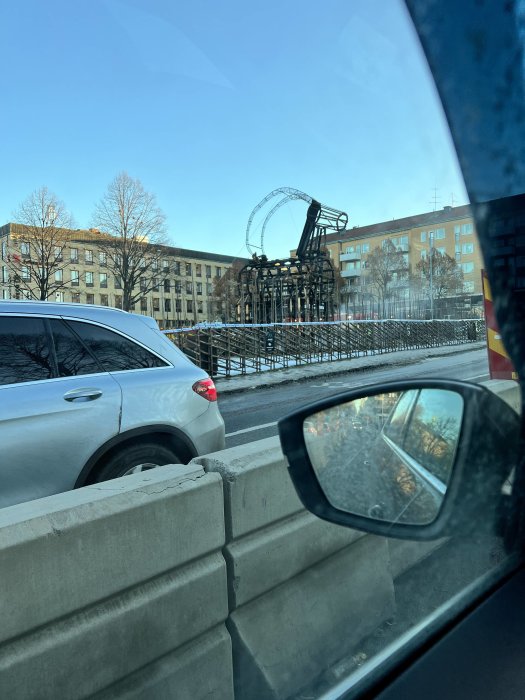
(83,395)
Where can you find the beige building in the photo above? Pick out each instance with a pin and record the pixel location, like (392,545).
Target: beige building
(449,230)
(183,296)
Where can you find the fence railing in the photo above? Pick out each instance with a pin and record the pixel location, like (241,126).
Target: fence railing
(235,349)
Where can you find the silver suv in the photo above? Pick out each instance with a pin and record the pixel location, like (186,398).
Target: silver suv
(89,393)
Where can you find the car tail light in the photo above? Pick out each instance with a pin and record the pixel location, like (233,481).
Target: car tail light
(206,389)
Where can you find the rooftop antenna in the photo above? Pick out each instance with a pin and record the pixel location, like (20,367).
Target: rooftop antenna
(435,199)
(452,199)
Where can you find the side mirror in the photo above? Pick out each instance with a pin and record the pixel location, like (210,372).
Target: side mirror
(413,460)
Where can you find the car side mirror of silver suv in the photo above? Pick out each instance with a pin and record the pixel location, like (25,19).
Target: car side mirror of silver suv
(413,460)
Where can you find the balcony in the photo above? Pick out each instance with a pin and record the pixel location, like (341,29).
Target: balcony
(351,273)
(349,257)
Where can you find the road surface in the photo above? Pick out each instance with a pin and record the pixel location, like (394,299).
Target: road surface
(253,414)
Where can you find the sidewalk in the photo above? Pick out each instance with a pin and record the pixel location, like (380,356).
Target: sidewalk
(324,369)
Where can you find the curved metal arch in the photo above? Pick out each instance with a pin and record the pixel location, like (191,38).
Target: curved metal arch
(290,193)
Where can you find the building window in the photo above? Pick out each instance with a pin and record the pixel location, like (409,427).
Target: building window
(103,258)
(89,279)
(199,287)
(89,257)
(218,272)
(167,305)
(441,251)
(155,264)
(198,270)
(165,266)
(458,257)
(103,279)
(467,267)
(5,275)
(189,288)
(176,267)
(118,282)
(5,293)
(75,297)
(142,263)
(365,248)
(423,236)
(90,298)
(208,270)
(167,286)
(209,288)
(467,248)
(457,229)
(75,278)
(466,229)
(156,304)
(58,252)
(104,300)
(73,254)
(4,250)
(178,305)
(25,273)
(439,234)
(24,248)
(59,275)
(118,301)
(423,255)
(178,287)
(143,304)
(142,284)
(188,269)
(189,306)
(155,284)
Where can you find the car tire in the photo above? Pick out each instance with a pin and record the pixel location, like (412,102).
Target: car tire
(136,458)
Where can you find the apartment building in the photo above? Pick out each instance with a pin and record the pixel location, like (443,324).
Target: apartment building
(449,230)
(182,292)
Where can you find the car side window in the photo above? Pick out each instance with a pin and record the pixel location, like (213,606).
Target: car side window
(73,358)
(112,350)
(394,427)
(25,353)
(433,433)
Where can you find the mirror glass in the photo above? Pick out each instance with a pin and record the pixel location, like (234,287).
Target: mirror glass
(387,456)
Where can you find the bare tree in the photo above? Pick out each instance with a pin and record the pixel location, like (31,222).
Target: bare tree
(384,265)
(226,295)
(132,238)
(42,231)
(441,275)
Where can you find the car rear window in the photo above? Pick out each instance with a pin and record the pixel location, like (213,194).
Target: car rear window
(25,355)
(73,357)
(112,350)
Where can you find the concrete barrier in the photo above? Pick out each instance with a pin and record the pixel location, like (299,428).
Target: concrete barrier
(197,581)
(302,592)
(117,589)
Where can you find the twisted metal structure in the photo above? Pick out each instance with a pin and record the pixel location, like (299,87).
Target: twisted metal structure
(301,288)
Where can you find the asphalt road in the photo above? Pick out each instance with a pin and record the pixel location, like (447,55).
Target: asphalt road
(253,414)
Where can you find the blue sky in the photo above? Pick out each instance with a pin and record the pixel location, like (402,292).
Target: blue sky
(212,105)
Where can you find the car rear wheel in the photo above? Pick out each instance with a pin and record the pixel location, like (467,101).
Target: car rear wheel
(136,458)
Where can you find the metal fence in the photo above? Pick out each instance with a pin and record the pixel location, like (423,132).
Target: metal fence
(235,349)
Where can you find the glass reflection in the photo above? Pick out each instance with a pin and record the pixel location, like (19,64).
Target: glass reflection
(388,456)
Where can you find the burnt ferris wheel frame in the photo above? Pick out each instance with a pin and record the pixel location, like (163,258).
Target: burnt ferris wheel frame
(300,288)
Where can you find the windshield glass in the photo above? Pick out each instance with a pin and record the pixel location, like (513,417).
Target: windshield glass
(275,185)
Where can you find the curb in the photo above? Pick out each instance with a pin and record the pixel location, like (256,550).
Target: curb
(272,378)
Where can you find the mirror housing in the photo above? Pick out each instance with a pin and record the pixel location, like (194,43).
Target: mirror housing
(485,455)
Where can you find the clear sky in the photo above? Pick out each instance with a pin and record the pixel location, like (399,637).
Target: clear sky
(213,104)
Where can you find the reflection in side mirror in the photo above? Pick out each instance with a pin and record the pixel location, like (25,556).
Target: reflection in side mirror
(413,459)
(387,456)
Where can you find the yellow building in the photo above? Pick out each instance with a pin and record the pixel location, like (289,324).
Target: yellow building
(449,230)
(181,295)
